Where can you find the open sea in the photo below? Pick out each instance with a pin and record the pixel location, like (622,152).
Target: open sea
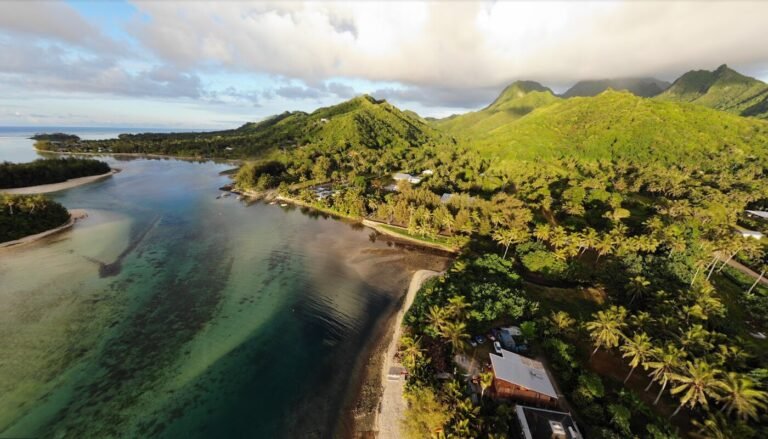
(170,313)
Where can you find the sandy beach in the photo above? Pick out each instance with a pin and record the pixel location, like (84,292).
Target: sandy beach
(55,187)
(74,216)
(392,410)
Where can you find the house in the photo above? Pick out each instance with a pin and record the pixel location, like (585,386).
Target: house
(446,197)
(400,176)
(427,172)
(757,214)
(521,378)
(746,233)
(537,423)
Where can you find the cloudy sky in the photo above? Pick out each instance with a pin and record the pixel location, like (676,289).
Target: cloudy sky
(212,65)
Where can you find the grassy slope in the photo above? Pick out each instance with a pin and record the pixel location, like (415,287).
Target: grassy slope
(618,124)
(723,89)
(517,100)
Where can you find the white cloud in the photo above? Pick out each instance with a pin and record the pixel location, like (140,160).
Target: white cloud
(457,44)
(54,20)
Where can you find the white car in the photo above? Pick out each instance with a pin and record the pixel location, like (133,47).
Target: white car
(497,347)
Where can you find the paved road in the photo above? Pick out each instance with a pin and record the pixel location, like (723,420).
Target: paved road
(746,270)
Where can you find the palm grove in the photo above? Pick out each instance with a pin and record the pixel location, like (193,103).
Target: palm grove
(24,215)
(603,226)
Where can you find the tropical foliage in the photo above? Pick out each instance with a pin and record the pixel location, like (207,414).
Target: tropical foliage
(47,171)
(24,215)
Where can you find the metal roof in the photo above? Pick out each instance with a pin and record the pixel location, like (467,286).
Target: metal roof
(523,372)
(540,423)
(759,213)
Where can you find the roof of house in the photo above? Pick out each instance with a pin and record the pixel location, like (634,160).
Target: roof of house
(446,197)
(402,176)
(523,372)
(541,424)
(760,213)
(747,232)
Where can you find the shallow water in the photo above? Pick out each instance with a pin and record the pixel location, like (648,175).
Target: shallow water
(170,313)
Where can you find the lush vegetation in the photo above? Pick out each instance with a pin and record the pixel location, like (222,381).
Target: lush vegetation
(602,226)
(619,125)
(56,137)
(724,89)
(360,122)
(650,235)
(517,100)
(47,171)
(24,215)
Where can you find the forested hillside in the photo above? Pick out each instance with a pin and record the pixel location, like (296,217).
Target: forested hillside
(724,89)
(517,100)
(362,122)
(621,125)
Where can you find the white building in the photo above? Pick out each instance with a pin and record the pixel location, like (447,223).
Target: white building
(400,176)
(746,233)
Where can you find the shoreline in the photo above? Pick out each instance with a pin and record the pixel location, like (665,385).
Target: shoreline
(374,225)
(377,227)
(391,402)
(74,216)
(139,155)
(56,187)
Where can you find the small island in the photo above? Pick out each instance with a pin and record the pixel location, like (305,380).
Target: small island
(23,216)
(50,175)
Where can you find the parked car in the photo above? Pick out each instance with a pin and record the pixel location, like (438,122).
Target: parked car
(497,347)
(479,339)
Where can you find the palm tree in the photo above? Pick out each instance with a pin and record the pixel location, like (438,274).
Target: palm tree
(542,232)
(456,307)
(698,382)
(486,381)
(561,321)
(456,334)
(505,238)
(740,394)
(667,360)
(637,287)
(714,427)
(757,281)
(605,329)
(638,349)
(410,352)
(437,317)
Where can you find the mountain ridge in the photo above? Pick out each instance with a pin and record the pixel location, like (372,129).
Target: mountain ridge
(515,101)
(642,86)
(723,89)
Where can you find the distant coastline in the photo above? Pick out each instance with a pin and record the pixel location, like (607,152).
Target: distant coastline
(140,155)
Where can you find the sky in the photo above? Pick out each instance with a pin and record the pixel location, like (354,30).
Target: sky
(200,65)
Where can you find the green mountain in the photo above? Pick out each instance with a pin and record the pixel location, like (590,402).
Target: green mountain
(517,100)
(362,121)
(619,124)
(645,87)
(724,89)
